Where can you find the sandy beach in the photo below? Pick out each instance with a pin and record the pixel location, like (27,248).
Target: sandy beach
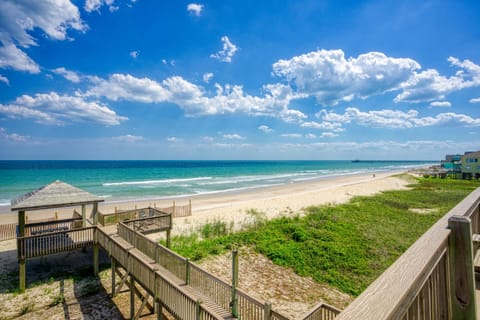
(233,207)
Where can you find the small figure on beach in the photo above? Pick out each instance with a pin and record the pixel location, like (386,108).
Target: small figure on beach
(373,175)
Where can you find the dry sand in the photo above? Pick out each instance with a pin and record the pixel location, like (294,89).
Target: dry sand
(290,294)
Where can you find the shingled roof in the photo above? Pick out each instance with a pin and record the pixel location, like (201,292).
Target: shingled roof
(54,195)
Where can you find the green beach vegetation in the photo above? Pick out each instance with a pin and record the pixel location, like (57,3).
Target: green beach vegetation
(348,245)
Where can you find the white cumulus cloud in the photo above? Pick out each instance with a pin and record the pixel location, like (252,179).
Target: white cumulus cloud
(233,136)
(475,100)
(4,80)
(430,85)
(194,100)
(95,5)
(18,18)
(174,139)
(440,104)
(52,108)
(397,119)
(14,58)
(265,128)
(207,77)
(195,8)
(134,54)
(11,137)
(330,77)
(67,74)
(227,52)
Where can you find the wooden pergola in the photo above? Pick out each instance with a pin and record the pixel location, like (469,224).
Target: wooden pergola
(57,194)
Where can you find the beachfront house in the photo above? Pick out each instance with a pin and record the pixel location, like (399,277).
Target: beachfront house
(453,165)
(471,165)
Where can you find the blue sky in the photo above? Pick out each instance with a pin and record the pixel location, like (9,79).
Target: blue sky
(110,79)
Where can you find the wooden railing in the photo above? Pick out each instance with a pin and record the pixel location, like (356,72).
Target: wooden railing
(209,285)
(433,279)
(173,297)
(37,228)
(322,311)
(54,242)
(216,289)
(160,254)
(106,219)
(8,231)
(155,223)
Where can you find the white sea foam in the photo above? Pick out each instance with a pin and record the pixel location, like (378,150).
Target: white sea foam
(147,182)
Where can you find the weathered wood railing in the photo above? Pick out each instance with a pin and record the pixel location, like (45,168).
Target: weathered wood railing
(37,228)
(321,311)
(155,223)
(433,279)
(106,219)
(8,231)
(212,287)
(172,296)
(54,242)
(160,254)
(179,211)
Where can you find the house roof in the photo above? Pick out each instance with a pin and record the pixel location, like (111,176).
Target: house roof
(54,195)
(475,154)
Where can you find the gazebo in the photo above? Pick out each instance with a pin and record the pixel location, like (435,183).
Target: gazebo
(54,195)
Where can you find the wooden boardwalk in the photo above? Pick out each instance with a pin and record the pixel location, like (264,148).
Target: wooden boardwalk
(174,283)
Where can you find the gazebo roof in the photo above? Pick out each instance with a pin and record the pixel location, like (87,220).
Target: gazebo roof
(54,195)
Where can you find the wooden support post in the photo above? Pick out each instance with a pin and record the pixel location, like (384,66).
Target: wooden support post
(22,275)
(56,215)
(114,269)
(233,303)
(95,240)
(84,216)
(132,298)
(22,272)
(159,311)
(21,223)
(95,250)
(462,278)
(268,311)
(169,230)
(95,213)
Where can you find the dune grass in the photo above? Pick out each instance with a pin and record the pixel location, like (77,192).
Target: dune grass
(348,245)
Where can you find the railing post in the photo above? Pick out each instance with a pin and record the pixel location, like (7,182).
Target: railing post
(462,277)
(197,309)
(187,272)
(84,216)
(267,310)
(233,303)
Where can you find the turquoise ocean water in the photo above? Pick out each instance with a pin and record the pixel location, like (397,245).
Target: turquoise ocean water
(123,180)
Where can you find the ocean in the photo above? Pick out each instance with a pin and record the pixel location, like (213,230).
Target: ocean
(124,180)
